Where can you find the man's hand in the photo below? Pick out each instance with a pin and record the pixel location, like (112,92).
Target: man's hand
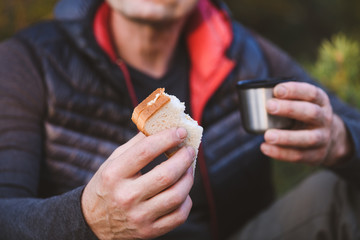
(121,203)
(319,136)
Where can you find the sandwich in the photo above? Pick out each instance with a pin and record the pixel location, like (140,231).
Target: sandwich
(160,111)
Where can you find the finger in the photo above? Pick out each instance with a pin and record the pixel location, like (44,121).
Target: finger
(298,110)
(299,138)
(144,151)
(120,150)
(171,198)
(301,91)
(173,219)
(310,156)
(167,173)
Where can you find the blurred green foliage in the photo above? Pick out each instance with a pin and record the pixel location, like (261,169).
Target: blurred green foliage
(287,175)
(17,14)
(338,67)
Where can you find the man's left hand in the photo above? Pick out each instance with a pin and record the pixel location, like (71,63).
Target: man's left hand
(318,138)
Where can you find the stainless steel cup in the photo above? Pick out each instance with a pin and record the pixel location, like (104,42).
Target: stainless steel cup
(253,94)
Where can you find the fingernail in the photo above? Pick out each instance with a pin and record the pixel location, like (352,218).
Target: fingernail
(280,91)
(181,133)
(191,151)
(271,106)
(271,137)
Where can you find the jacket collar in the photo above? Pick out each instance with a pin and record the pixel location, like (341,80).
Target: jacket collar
(209,36)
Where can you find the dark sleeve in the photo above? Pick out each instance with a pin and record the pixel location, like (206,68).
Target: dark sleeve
(280,64)
(22,109)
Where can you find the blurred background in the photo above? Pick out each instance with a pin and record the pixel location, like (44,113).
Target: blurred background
(322,35)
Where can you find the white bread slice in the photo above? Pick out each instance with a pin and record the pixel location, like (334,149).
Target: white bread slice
(161,111)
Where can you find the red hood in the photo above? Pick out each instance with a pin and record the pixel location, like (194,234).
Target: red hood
(208,35)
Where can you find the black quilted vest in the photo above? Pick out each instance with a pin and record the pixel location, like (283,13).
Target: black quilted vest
(89,110)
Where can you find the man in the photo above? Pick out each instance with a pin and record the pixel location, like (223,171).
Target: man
(73,165)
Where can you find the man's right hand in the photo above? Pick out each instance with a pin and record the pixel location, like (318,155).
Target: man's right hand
(121,203)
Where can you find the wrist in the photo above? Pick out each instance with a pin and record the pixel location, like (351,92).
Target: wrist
(93,213)
(341,147)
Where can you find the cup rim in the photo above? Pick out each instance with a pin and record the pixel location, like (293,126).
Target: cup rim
(262,82)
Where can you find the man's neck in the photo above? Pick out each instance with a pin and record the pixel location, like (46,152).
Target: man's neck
(147,47)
